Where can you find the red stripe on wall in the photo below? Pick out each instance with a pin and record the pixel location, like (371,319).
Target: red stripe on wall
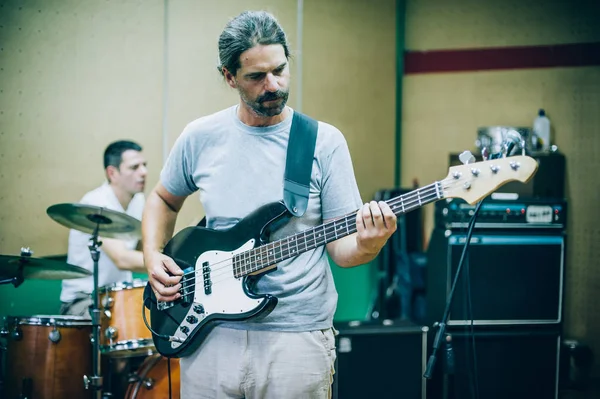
(561,55)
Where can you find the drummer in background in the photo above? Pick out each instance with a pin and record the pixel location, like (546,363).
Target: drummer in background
(125,169)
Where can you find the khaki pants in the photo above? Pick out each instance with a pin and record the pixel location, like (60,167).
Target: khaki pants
(260,365)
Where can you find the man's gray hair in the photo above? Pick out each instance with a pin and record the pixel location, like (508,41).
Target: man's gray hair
(245,31)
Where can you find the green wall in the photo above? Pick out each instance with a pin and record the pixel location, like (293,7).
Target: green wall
(33,297)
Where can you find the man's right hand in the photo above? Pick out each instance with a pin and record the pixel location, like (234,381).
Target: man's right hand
(164,276)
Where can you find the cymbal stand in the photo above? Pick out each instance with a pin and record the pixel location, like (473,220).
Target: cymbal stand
(19,278)
(16,280)
(95,381)
(4,333)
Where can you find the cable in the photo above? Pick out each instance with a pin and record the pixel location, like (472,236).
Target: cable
(470,315)
(169,374)
(163,336)
(440,335)
(473,376)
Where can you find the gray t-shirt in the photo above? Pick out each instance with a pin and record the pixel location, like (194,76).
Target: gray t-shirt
(236,169)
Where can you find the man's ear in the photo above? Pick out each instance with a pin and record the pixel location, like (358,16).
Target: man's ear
(111,172)
(229,78)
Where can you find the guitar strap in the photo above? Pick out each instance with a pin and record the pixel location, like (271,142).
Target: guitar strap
(299,160)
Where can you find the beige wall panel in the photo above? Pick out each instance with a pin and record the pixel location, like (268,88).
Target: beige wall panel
(350,81)
(441,115)
(75,76)
(443,24)
(195,86)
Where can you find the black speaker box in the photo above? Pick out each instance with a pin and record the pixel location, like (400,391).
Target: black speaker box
(518,363)
(515,278)
(380,359)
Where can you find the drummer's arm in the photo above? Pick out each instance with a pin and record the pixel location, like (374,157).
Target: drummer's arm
(123,257)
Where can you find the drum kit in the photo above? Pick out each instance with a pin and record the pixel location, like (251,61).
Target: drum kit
(59,356)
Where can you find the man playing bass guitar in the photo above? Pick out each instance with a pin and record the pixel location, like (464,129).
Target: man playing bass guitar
(236,158)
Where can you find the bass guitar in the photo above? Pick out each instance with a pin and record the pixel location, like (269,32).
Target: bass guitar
(219,266)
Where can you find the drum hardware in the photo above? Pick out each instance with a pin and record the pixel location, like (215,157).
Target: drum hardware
(20,268)
(17,280)
(26,388)
(107,302)
(111,333)
(54,335)
(17,334)
(3,334)
(96,221)
(95,381)
(148,383)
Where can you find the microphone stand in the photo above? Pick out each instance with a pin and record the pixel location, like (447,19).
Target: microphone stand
(442,324)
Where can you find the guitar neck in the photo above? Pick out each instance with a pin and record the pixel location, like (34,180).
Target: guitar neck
(274,252)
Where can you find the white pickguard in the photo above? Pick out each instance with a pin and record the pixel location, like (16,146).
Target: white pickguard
(227,296)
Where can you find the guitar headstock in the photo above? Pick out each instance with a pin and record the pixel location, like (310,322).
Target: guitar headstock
(474,181)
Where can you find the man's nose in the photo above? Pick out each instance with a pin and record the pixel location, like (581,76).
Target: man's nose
(271,83)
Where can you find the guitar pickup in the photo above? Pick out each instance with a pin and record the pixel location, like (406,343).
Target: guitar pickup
(187,287)
(206,277)
(187,291)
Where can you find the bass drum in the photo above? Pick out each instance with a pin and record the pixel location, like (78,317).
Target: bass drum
(152,379)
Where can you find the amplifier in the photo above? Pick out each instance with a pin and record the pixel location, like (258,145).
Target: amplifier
(503,213)
(380,359)
(519,363)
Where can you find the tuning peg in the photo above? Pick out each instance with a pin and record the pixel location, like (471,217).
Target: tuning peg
(466,157)
(485,153)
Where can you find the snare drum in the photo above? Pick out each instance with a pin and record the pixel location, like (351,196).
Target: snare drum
(124,332)
(152,379)
(47,357)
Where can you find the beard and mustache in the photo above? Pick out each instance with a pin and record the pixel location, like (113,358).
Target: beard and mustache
(279,99)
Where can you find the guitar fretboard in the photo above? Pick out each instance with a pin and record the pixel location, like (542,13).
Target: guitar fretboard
(274,252)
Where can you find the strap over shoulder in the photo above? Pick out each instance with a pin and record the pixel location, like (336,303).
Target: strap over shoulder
(298,167)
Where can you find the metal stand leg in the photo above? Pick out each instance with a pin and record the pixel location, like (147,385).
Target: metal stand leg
(95,381)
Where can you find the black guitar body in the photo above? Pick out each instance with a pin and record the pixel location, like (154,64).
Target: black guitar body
(211,292)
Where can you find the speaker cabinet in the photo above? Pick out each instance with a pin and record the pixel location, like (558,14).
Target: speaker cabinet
(514,278)
(515,364)
(381,359)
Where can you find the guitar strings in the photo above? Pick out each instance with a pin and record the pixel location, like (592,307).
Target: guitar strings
(225,271)
(405,202)
(215,280)
(398,202)
(328,228)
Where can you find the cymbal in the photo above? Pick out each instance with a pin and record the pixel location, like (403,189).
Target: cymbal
(40,269)
(88,218)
